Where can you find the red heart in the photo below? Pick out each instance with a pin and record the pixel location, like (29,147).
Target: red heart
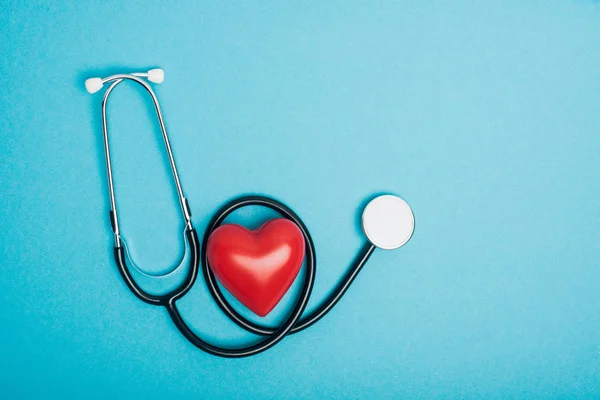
(257,267)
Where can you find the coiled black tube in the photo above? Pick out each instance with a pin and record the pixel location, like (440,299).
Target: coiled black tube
(294,322)
(304,322)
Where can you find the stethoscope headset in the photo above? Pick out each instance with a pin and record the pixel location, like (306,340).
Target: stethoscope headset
(387,220)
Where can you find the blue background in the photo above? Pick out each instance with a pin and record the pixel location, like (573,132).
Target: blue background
(485,118)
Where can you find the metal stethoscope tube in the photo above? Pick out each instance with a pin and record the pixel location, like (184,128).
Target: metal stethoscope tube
(272,335)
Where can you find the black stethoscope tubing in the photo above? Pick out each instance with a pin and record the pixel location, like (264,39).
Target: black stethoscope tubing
(294,322)
(301,323)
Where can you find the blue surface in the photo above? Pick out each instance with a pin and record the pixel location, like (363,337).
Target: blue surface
(484,118)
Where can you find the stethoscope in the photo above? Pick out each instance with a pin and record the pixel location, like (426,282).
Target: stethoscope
(387,221)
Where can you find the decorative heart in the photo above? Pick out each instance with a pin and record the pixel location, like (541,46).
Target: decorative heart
(257,267)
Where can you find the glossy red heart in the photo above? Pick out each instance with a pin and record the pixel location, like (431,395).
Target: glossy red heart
(257,267)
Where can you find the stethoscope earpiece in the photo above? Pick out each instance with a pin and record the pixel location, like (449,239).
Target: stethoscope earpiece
(92,85)
(155,75)
(388,222)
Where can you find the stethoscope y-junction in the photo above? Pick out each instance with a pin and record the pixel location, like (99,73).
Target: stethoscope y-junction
(387,220)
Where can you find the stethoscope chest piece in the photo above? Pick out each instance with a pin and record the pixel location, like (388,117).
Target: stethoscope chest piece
(388,222)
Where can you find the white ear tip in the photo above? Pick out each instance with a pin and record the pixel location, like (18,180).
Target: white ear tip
(156,75)
(92,85)
(388,222)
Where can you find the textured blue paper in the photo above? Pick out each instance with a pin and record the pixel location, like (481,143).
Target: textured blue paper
(484,116)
